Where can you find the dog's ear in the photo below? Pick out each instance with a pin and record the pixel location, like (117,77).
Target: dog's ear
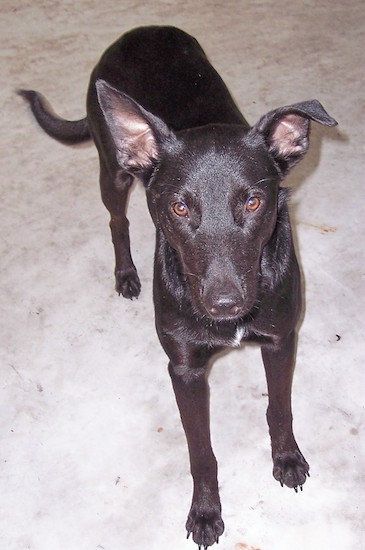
(137,134)
(286,131)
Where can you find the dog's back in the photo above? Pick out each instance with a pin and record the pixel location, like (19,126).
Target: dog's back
(166,71)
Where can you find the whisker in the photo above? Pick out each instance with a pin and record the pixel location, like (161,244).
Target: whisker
(192,274)
(263,180)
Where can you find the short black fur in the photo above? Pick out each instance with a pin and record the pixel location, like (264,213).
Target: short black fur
(225,266)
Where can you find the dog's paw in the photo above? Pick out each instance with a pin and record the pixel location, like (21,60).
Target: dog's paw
(127,283)
(205,524)
(291,469)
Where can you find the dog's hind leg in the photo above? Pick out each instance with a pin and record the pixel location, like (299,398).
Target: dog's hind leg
(290,467)
(115,186)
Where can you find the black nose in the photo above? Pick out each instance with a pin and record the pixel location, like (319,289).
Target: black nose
(225,305)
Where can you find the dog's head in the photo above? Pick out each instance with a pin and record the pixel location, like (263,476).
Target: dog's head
(213,192)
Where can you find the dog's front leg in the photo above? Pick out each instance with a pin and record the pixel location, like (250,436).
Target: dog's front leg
(189,379)
(290,467)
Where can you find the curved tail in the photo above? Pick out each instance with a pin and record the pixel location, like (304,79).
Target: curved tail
(65,131)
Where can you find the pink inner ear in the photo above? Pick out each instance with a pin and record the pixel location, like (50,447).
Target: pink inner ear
(150,143)
(143,148)
(135,138)
(289,136)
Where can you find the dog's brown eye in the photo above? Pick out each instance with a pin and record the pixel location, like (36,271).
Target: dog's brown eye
(252,204)
(180,209)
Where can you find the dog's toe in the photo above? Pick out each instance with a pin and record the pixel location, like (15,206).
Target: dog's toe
(127,283)
(291,469)
(206,526)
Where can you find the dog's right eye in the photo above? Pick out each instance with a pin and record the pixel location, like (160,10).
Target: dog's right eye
(180,209)
(252,204)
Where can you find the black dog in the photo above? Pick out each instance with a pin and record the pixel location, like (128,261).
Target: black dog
(225,266)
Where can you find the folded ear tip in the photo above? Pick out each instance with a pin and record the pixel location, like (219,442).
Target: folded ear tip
(329,121)
(324,117)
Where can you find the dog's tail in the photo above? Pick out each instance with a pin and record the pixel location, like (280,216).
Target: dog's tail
(66,131)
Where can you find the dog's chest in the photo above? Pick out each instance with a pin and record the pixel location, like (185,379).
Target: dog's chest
(240,334)
(226,335)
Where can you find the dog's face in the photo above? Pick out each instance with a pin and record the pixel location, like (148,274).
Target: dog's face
(212,191)
(214,196)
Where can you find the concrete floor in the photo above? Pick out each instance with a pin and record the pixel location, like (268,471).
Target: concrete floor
(92,453)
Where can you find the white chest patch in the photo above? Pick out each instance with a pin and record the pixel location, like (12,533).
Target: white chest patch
(236,341)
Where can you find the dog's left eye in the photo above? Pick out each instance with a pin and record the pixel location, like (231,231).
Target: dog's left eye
(252,204)
(180,209)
